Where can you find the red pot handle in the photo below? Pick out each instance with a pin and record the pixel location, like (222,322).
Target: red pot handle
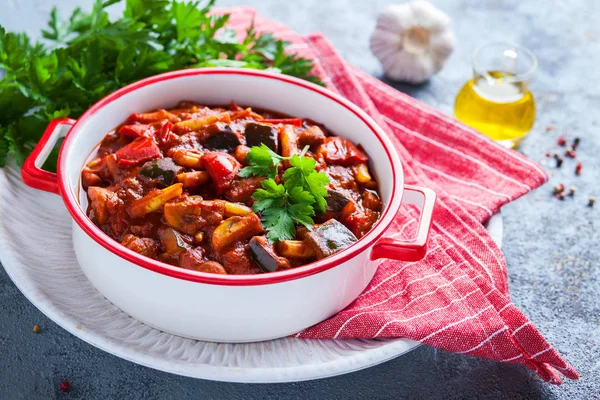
(414,249)
(32,173)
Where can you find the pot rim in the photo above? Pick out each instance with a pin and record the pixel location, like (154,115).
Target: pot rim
(82,220)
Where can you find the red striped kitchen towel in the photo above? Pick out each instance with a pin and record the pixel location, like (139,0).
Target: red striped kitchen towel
(457,297)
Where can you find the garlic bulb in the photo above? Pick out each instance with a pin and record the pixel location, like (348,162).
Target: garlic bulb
(412,41)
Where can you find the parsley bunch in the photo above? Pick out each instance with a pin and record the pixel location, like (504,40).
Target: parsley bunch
(88,56)
(295,201)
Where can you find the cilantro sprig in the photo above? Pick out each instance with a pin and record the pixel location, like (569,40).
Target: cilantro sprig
(302,174)
(296,201)
(281,208)
(88,55)
(262,161)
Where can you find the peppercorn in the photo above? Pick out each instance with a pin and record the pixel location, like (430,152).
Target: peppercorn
(570,152)
(65,386)
(560,196)
(559,161)
(591,201)
(576,142)
(559,188)
(578,168)
(36,329)
(572,190)
(561,141)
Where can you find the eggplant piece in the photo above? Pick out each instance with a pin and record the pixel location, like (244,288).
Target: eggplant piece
(162,170)
(220,136)
(263,254)
(336,201)
(330,237)
(260,133)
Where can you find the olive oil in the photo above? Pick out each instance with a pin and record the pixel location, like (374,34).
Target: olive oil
(498,106)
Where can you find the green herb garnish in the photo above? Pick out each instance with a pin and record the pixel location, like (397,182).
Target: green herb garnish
(295,201)
(262,161)
(88,56)
(302,174)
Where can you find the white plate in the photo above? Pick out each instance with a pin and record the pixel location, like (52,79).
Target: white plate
(37,254)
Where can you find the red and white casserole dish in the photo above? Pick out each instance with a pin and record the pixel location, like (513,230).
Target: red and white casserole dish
(228,308)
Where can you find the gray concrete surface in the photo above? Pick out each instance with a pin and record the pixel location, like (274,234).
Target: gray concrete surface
(552,247)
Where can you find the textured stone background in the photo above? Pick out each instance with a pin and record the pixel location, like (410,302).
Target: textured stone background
(552,247)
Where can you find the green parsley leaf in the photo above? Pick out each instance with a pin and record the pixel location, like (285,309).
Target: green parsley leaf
(154,13)
(4,145)
(293,202)
(271,203)
(279,224)
(262,162)
(303,174)
(57,30)
(134,61)
(301,206)
(316,184)
(89,55)
(272,195)
(297,195)
(15,145)
(280,209)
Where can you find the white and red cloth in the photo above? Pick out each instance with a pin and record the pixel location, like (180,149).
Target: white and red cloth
(457,297)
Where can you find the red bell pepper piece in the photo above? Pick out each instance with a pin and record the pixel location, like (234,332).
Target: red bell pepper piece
(141,149)
(164,133)
(338,150)
(135,131)
(286,121)
(222,168)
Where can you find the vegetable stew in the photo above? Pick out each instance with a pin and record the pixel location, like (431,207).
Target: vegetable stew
(230,190)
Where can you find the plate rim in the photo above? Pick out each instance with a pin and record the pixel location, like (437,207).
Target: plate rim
(343,365)
(362,360)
